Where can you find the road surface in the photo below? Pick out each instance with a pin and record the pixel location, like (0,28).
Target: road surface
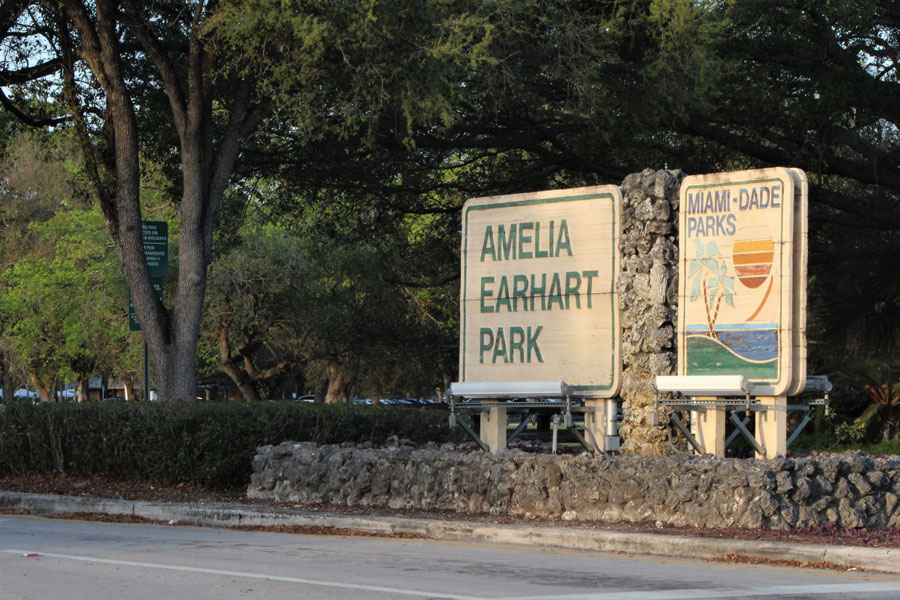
(44,559)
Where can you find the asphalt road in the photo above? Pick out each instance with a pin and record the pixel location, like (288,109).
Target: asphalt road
(44,559)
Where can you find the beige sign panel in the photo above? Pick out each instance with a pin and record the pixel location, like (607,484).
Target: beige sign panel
(736,302)
(538,295)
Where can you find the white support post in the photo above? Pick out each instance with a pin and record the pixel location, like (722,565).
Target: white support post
(595,422)
(771,426)
(493,427)
(710,428)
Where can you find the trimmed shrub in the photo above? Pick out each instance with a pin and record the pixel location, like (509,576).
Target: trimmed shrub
(210,444)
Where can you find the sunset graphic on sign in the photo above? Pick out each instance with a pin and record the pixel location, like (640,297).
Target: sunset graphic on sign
(752,255)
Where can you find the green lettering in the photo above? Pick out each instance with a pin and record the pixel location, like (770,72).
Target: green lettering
(555,294)
(533,344)
(538,253)
(516,342)
(487,342)
(500,347)
(573,282)
(589,275)
(525,239)
(551,238)
(563,241)
(507,244)
(487,246)
(486,293)
(541,291)
(520,290)
(503,294)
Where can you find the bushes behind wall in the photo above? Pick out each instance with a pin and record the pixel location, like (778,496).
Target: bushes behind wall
(210,444)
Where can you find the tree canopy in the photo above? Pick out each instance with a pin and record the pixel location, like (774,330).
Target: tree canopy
(371,122)
(192,81)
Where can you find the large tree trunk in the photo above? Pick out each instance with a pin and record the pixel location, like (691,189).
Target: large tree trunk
(339,384)
(242,381)
(207,165)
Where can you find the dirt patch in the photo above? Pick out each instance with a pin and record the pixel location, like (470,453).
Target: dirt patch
(100,487)
(757,560)
(105,518)
(321,530)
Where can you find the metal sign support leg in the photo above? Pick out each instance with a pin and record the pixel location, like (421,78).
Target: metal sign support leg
(686,432)
(740,427)
(526,419)
(744,421)
(461,420)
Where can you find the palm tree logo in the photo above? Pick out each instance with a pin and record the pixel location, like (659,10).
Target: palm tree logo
(709,279)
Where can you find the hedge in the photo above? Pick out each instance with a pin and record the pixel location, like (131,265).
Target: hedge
(210,444)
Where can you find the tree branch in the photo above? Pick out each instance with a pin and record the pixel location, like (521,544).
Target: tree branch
(30,73)
(156,51)
(8,105)
(10,10)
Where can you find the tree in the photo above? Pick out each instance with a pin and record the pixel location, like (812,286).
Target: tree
(303,300)
(212,72)
(254,309)
(65,317)
(39,176)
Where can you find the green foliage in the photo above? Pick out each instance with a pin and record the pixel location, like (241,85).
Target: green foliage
(849,432)
(886,447)
(344,64)
(210,444)
(305,296)
(59,298)
(828,442)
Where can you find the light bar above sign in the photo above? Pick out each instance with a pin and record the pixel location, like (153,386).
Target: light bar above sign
(538,289)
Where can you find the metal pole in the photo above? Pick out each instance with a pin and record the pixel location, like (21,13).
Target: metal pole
(146,371)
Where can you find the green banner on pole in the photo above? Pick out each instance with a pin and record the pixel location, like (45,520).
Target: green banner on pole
(155,235)
(133,323)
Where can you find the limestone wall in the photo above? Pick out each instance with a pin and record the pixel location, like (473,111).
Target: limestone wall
(853,490)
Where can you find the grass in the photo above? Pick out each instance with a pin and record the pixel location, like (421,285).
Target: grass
(825,442)
(885,447)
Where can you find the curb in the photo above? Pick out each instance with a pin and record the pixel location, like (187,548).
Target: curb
(222,515)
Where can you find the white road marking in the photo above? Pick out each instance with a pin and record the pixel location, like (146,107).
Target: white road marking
(775,590)
(353,586)
(892,586)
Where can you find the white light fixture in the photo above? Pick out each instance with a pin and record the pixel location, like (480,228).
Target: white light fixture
(705,385)
(510,389)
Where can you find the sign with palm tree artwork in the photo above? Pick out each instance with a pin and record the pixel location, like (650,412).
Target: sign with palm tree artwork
(736,291)
(710,282)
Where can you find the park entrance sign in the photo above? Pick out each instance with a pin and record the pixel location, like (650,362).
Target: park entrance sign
(736,298)
(742,299)
(538,295)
